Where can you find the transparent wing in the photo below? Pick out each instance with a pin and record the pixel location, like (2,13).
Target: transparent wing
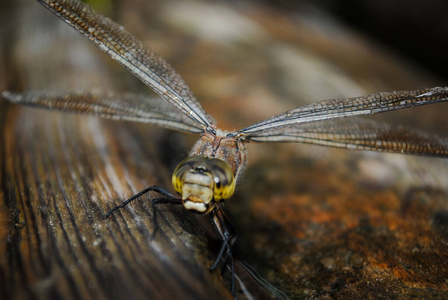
(127,107)
(340,108)
(357,133)
(123,47)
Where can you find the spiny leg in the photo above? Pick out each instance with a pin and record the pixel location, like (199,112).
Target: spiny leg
(227,235)
(141,193)
(220,222)
(168,199)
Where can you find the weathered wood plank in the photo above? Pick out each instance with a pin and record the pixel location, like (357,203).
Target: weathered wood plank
(61,176)
(316,222)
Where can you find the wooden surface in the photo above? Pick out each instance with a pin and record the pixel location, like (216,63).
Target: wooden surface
(315,222)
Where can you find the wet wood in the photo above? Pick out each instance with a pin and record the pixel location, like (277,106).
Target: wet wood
(315,222)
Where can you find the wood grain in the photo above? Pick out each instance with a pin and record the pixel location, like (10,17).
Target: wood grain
(60,174)
(316,222)
(59,183)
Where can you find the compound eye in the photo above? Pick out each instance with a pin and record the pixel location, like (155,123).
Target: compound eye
(185,166)
(219,170)
(224,181)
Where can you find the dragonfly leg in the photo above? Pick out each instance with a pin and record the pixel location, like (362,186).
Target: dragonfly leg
(227,235)
(167,199)
(141,193)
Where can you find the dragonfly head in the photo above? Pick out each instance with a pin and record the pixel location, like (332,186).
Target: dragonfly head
(203,182)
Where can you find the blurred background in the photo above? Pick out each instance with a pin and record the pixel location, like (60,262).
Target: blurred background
(414,30)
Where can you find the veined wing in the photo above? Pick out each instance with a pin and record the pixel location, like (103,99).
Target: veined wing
(123,47)
(357,133)
(341,108)
(127,107)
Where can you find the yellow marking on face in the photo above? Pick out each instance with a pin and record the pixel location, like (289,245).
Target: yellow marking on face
(203,182)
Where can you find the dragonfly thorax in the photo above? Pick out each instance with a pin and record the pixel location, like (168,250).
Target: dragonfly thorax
(203,182)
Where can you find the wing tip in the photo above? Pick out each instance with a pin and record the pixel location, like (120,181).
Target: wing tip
(10,96)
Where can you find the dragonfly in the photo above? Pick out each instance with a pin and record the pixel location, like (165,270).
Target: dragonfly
(208,177)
